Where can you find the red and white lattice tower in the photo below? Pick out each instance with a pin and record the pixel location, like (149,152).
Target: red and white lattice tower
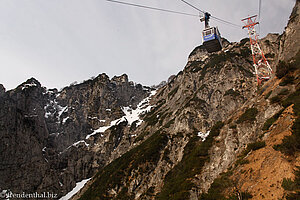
(263,70)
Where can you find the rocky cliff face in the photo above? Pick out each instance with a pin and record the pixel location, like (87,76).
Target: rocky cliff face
(289,45)
(46,134)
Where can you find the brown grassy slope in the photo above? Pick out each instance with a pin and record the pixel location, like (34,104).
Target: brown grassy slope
(262,176)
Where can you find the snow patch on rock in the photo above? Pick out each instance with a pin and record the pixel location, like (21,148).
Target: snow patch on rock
(78,187)
(203,136)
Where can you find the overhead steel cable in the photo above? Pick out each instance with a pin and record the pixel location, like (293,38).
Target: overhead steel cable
(224,21)
(216,18)
(259,11)
(193,6)
(153,8)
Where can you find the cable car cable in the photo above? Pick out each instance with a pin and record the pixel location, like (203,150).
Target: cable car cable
(153,8)
(172,11)
(216,18)
(259,11)
(224,21)
(193,6)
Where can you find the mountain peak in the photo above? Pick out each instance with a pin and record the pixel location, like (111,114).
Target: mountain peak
(2,89)
(29,83)
(103,76)
(32,80)
(120,79)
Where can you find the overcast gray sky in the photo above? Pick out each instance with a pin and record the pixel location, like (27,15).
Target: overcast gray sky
(62,41)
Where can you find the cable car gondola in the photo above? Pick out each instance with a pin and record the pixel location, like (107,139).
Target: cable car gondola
(212,39)
(211,36)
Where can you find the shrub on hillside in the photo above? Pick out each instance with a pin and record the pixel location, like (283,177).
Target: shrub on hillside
(271,120)
(291,144)
(282,69)
(248,116)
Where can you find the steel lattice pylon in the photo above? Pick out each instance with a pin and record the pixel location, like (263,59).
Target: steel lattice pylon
(263,70)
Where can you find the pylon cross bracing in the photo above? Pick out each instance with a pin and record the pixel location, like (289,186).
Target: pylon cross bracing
(262,68)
